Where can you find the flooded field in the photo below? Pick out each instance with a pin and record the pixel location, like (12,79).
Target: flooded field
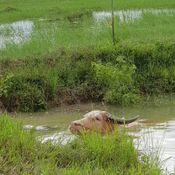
(156,133)
(15,33)
(47,33)
(131,15)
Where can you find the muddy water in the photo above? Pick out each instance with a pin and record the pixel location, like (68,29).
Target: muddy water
(157,133)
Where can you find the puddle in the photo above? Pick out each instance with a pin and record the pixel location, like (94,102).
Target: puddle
(126,16)
(15,33)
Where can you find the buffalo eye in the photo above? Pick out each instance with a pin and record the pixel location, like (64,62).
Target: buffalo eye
(97,118)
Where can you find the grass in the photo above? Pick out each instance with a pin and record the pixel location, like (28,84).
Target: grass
(48,37)
(70,25)
(119,75)
(88,154)
(29,9)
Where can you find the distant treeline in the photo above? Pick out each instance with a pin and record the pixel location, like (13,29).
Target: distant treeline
(119,75)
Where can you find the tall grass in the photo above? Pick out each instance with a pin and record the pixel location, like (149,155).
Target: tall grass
(88,154)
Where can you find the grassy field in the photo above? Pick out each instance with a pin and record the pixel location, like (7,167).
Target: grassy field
(89,154)
(49,36)
(31,9)
(70,24)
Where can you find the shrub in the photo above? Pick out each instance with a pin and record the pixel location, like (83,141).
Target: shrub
(117,81)
(18,93)
(91,74)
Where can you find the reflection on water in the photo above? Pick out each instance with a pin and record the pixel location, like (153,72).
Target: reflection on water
(126,16)
(158,139)
(62,138)
(15,33)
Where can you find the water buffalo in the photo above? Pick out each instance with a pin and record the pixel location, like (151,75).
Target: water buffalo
(98,121)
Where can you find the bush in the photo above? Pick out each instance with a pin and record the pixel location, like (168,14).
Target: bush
(91,74)
(154,63)
(117,81)
(19,93)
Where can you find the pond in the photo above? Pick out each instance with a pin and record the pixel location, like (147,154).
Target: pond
(157,133)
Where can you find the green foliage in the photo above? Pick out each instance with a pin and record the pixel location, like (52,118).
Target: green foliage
(117,81)
(20,153)
(18,93)
(112,154)
(155,65)
(73,72)
(118,75)
(56,9)
(115,149)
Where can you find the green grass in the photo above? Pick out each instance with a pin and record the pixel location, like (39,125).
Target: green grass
(59,31)
(29,9)
(89,154)
(119,75)
(48,37)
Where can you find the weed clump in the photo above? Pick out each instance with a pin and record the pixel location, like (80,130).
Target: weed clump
(117,80)
(18,93)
